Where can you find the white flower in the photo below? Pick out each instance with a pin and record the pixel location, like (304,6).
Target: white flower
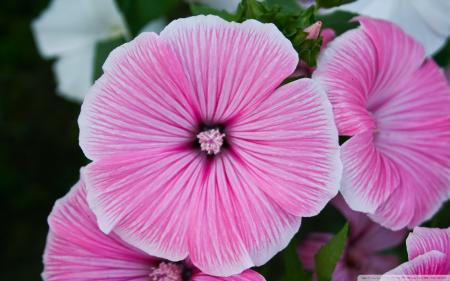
(69,30)
(428,21)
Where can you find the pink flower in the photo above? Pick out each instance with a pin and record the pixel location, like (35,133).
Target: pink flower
(395,105)
(78,251)
(156,183)
(428,253)
(362,253)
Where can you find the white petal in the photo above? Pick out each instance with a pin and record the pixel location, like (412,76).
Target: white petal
(155,25)
(74,73)
(436,14)
(67,25)
(382,9)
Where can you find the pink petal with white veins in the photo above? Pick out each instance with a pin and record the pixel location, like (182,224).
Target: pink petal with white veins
(345,71)
(141,102)
(415,133)
(146,198)
(234,225)
(289,145)
(423,240)
(77,250)
(397,163)
(248,275)
(369,176)
(430,263)
(153,187)
(232,67)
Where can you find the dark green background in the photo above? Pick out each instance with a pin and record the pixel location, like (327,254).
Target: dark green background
(40,157)
(39,153)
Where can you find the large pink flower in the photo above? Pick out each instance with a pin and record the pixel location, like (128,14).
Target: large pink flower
(395,105)
(362,252)
(197,153)
(78,251)
(428,253)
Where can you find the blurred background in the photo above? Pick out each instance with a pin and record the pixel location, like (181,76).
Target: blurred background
(39,153)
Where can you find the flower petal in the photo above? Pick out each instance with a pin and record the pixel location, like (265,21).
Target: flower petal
(309,247)
(378,238)
(415,134)
(77,250)
(248,275)
(141,102)
(146,198)
(430,263)
(232,67)
(289,144)
(399,120)
(369,176)
(362,63)
(75,73)
(69,25)
(235,225)
(423,240)
(366,235)
(426,21)
(379,264)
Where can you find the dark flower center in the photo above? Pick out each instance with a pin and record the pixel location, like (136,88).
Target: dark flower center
(211,139)
(169,271)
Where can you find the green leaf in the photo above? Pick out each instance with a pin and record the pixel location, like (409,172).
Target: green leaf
(293,270)
(102,50)
(251,9)
(288,5)
(199,9)
(139,12)
(442,58)
(339,21)
(330,253)
(332,3)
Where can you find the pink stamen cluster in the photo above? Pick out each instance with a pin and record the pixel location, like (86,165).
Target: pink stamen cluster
(166,272)
(211,141)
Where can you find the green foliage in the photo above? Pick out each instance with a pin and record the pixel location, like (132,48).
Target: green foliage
(199,9)
(332,3)
(339,21)
(293,270)
(442,58)
(442,218)
(139,12)
(328,256)
(102,51)
(285,14)
(288,5)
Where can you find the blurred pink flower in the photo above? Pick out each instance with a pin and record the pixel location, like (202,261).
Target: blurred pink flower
(395,105)
(428,253)
(230,204)
(362,253)
(77,250)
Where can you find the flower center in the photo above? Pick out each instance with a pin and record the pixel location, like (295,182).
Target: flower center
(166,272)
(211,141)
